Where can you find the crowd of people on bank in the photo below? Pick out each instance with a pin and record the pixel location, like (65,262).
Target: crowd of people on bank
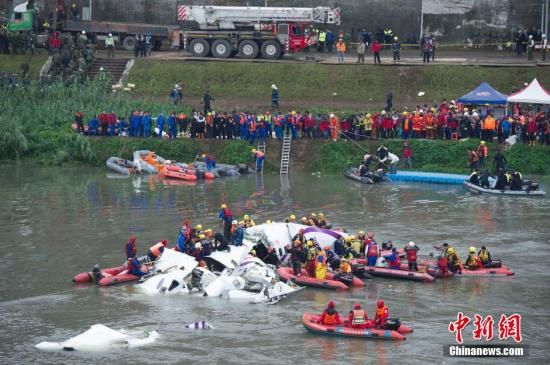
(446,120)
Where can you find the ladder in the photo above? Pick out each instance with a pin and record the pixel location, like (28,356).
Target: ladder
(261,147)
(285,154)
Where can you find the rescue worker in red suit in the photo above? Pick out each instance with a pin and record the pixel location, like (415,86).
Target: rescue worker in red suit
(156,250)
(382,314)
(371,250)
(358,318)
(330,316)
(411,250)
(131,248)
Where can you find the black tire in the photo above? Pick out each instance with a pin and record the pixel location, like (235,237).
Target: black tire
(271,50)
(221,48)
(157,44)
(199,47)
(129,43)
(248,49)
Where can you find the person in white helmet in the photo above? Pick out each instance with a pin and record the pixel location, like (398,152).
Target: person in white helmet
(274,96)
(411,249)
(530,48)
(110,45)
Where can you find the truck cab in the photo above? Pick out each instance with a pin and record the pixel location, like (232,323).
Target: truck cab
(22,20)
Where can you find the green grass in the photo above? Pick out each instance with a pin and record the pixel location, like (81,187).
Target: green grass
(431,155)
(12,63)
(312,81)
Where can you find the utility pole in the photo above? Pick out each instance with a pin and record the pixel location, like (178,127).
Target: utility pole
(421,19)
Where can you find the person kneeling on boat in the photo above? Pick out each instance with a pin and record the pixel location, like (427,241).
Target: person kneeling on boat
(134,267)
(131,248)
(474,178)
(344,273)
(381,316)
(394,262)
(358,318)
(453,261)
(472,261)
(155,251)
(311,255)
(330,316)
(484,256)
(517,181)
(411,250)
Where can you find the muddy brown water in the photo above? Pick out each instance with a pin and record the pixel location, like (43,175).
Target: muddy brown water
(57,222)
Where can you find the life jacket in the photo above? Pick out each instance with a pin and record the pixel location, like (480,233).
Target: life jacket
(472,260)
(396,261)
(484,256)
(358,317)
(411,255)
(372,249)
(311,253)
(252,127)
(329,319)
(277,121)
(356,245)
(259,154)
(345,268)
(155,249)
(382,312)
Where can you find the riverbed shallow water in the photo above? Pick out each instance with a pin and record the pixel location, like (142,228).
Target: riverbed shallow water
(57,222)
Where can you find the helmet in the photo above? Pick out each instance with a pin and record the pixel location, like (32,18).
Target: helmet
(361,233)
(309,243)
(472,250)
(321,215)
(198,245)
(224,206)
(411,244)
(343,259)
(303,219)
(370,235)
(450,250)
(357,306)
(313,214)
(246,217)
(274,86)
(482,142)
(395,38)
(253,150)
(209,113)
(110,35)
(83,32)
(369,115)
(268,222)
(293,112)
(466,109)
(330,304)
(234,222)
(199,227)
(327,248)
(202,236)
(332,115)
(352,237)
(380,303)
(292,216)
(405,113)
(383,112)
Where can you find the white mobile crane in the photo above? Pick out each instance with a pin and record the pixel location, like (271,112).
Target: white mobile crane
(225,31)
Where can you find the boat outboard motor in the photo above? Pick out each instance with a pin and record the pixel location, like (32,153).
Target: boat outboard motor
(96,274)
(387,245)
(392,324)
(533,186)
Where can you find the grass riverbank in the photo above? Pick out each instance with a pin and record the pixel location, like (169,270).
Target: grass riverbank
(12,63)
(340,87)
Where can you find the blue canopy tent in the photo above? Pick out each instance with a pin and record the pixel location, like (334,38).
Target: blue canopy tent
(484,94)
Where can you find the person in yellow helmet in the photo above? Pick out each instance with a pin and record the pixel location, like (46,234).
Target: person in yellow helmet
(321,265)
(226,217)
(259,157)
(248,222)
(472,261)
(196,232)
(321,221)
(453,261)
(311,255)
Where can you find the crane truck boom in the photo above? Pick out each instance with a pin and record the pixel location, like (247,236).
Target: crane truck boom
(225,31)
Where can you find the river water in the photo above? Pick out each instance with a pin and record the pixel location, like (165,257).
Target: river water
(57,222)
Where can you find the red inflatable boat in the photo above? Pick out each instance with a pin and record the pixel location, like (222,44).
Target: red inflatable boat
(432,269)
(178,174)
(110,276)
(403,273)
(286,274)
(310,323)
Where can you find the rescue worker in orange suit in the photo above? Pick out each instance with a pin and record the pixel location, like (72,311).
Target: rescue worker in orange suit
(259,156)
(472,261)
(381,316)
(311,255)
(131,248)
(358,318)
(330,316)
(344,273)
(156,250)
(411,250)
(334,127)
(371,250)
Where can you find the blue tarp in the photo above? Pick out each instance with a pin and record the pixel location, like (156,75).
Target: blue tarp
(484,94)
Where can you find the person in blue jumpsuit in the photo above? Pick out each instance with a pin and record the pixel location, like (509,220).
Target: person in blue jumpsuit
(181,244)
(146,121)
(134,267)
(172,129)
(160,124)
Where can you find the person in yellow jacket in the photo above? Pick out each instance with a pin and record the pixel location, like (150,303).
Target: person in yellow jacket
(340,50)
(489,125)
(321,265)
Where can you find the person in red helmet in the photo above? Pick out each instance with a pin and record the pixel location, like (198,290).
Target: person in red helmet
(358,318)
(156,250)
(330,316)
(131,248)
(382,314)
